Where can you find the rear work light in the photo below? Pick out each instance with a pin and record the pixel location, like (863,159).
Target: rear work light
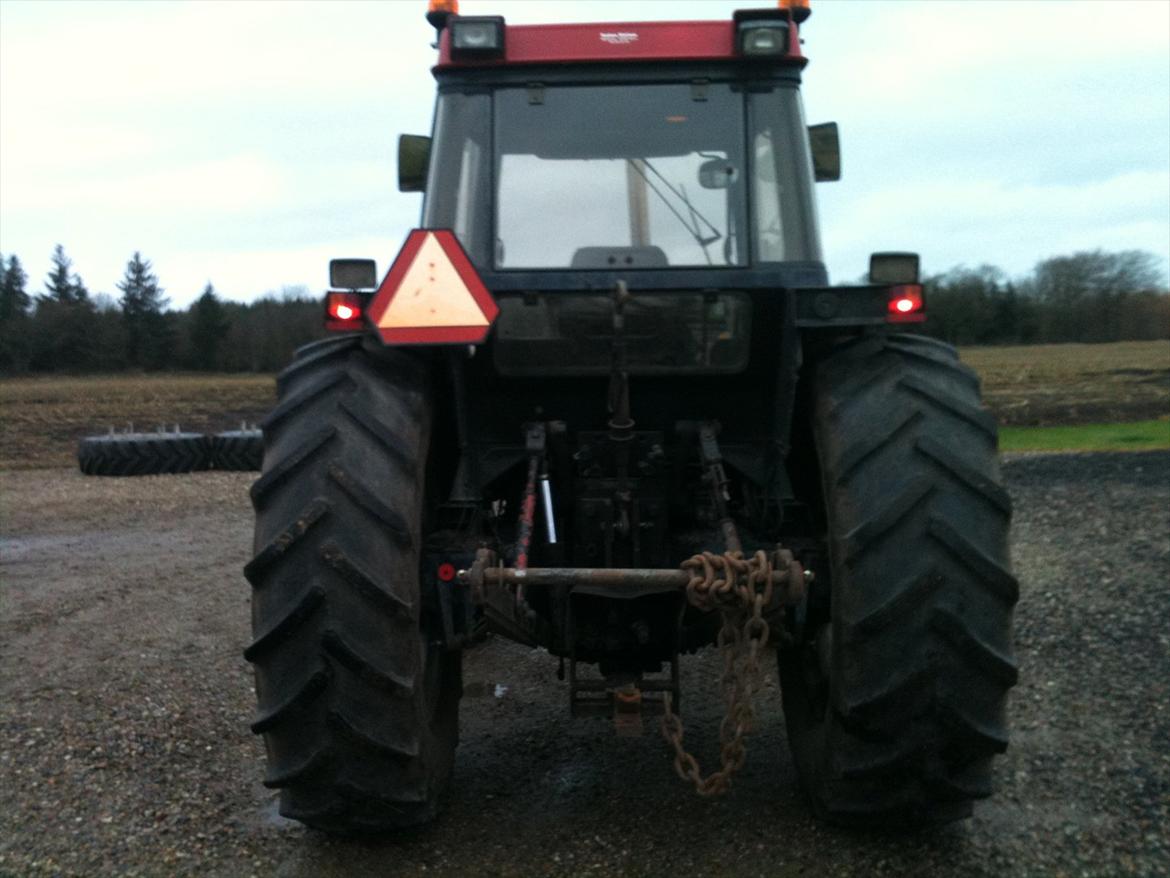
(482,37)
(904,304)
(344,312)
(763,41)
(762,33)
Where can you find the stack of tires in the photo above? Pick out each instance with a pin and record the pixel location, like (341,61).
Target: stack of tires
(146,454)
(237,450)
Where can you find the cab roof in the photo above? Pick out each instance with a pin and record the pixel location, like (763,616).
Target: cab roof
(616,42)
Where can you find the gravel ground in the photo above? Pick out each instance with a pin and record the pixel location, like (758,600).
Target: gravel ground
(124,704)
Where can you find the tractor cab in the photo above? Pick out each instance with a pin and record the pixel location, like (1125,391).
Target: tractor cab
(564,156)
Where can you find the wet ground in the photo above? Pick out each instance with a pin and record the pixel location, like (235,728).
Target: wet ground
(124,704)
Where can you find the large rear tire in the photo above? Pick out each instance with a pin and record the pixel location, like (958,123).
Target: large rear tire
(357,704)
(894,693)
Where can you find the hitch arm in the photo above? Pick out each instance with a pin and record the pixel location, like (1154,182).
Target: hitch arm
(787,577)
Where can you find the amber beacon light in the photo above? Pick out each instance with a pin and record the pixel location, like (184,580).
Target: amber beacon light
(438,11)
(798,8)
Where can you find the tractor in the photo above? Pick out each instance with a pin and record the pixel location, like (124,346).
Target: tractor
(606,403)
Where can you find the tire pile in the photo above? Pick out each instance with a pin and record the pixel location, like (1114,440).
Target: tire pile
(148,454)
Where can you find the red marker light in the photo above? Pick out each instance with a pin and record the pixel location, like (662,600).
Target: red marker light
(905,304)
(446,572)
(343,311)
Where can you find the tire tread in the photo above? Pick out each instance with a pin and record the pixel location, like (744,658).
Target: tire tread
(920,662)
(360,727)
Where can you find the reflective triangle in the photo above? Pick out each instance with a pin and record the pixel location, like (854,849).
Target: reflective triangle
(431,293)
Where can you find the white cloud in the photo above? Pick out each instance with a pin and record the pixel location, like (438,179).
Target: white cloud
(231,184)
(243,276)
(136,53)
(974,221)
(918,50)
(228,140)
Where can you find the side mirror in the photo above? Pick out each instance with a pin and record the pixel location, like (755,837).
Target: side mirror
(353,274)
(717,174)
(826,151)
(414,155)
(893,268)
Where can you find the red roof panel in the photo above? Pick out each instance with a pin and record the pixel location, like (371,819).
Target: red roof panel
(612,42)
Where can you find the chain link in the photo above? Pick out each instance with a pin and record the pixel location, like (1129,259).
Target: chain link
(740,588)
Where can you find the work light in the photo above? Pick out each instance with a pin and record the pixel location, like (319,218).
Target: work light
(763,40)
(483,36)
(762,33)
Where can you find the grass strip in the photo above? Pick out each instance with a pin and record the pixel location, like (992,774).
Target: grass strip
(1135,436)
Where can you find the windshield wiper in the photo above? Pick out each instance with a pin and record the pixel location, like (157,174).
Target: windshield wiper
(692,225)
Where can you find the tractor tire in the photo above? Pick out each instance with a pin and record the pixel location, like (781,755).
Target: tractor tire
(237,450)
(143,454)
(358,705)
(895,688)
(324,350)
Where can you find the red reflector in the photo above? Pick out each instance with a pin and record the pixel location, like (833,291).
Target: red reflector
(905,304)
(343,311)
(446,572)
(432,294)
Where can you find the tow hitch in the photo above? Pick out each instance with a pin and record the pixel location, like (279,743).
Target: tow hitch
(750,594)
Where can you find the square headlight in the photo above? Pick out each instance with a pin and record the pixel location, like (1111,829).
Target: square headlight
(477,36)
(762,40)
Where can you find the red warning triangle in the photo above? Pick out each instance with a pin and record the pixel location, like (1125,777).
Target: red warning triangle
(432,294)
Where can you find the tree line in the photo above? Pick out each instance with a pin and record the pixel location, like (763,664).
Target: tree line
(1090,296)
(66,329)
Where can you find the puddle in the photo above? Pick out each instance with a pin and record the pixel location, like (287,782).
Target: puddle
(480,688)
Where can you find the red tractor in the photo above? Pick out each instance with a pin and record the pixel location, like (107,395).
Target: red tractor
(605,402)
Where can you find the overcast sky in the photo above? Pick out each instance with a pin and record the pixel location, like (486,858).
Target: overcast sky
(246,143)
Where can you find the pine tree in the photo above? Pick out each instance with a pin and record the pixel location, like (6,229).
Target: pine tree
(61,336)
(61,285)
(14,300)
(14,306)
(209,326)
(147,335)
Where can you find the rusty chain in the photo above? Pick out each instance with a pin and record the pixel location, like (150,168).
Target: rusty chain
(740,588)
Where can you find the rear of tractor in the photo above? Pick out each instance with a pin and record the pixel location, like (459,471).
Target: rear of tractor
(606,403)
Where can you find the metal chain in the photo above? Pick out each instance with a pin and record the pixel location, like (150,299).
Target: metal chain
(740,588)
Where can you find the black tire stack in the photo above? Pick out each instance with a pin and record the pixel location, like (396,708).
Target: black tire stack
(357,703)
(894,695)
(160,453)
(140,454)
(237,450)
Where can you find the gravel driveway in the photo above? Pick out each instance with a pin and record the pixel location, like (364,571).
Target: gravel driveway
(124,704)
